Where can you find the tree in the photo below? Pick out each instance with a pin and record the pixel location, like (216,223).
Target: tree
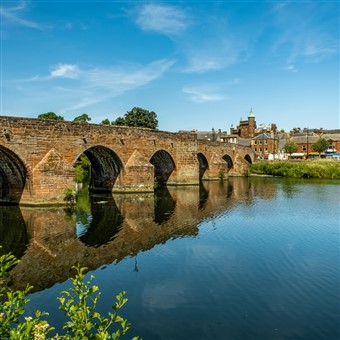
(138,117)
(105,122)
(82,169)
(79,304)
(50,116)
(119,121)
(320,145)
(290,147)
(84,118)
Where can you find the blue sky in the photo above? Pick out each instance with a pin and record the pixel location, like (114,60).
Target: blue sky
(197,64)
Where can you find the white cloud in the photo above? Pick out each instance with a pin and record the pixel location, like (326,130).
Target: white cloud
(290,68)
(307,38)
(14,15)
(78,87)
(164,19)
(128,76)
(200,94)
(65,71)
(84,102)
(210,59)
(199,63)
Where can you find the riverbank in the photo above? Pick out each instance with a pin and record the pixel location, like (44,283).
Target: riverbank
(298,169)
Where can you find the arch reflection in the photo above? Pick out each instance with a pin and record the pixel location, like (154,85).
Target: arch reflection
(13,233)
(98,219)
(164,205)
(118,226)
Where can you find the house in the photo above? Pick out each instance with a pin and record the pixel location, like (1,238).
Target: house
(212,136)
(333,138)
(304,141)
(263,138)
(306,138)
(265,144)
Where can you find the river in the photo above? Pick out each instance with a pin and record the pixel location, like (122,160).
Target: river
(251,258)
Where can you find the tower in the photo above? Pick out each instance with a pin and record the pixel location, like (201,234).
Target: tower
(251,124)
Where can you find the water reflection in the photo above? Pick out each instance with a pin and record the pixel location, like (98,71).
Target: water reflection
(107,229)
(13,235)
(99,222)
(203,194)
(164,205)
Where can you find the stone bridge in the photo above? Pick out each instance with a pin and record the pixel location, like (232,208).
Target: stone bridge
(37,159)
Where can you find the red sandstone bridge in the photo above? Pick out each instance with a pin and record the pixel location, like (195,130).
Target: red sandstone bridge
(37,158)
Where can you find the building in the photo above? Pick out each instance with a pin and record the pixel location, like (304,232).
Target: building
(333,138)
(212,136)
(264,145)
(304,141)
(306,138)
(263,138)
(246,128)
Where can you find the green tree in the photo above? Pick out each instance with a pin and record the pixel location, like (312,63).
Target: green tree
(138,117)
(84,118)
(105,122)
(50,116)
(290,147)
(82,169)
(119,121)
(320,145)
(79,305)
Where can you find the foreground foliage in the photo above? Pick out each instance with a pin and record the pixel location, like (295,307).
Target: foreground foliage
(303,169)
(78,304)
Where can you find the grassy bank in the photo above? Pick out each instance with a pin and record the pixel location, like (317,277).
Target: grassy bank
(300,169)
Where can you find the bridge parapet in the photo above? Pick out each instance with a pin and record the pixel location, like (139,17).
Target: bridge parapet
(38,157)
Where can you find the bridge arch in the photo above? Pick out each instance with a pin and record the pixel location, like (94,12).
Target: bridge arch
(106,167)
(248,158)
(13,176)
(203,164)
(164,165)
(229,161)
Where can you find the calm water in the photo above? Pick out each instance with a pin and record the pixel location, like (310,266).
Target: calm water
(255,258)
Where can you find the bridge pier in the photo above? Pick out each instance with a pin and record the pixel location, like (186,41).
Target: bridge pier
(218,168)
(50,177)
(137,176)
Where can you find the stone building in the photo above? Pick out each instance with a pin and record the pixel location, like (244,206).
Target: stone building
(263,138)
(246,128)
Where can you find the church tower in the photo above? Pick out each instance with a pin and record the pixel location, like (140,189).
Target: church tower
(251,124)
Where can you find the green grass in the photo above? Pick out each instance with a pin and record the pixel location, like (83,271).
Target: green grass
(298,169)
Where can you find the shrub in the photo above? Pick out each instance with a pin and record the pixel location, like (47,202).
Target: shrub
(69,196)
(307,169)
(78,304)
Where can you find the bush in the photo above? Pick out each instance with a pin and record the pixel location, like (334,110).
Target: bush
(78,304)
(306,169)
(69,196)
